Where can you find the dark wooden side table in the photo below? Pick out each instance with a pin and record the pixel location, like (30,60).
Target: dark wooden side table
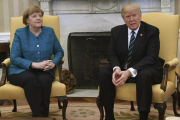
(178,83)
(4,47)
(4,51)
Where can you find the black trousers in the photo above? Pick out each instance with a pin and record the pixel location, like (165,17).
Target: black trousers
(144,82)
(37,87)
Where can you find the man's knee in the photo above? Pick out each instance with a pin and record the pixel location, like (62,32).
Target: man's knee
(144,75)
(105,73)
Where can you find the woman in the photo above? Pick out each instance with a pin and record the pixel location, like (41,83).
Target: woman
(31,65)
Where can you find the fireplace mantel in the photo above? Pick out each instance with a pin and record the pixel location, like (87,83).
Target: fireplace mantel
(56,7)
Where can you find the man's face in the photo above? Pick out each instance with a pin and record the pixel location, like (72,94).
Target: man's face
(132,19)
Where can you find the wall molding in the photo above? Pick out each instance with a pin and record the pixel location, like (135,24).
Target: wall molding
(56,7)
(4,37)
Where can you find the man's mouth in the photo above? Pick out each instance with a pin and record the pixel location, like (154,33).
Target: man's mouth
(132,23)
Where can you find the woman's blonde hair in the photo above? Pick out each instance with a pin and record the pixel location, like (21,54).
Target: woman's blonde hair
(29,11)
(130,7)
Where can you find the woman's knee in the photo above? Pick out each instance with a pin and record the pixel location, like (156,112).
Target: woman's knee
(30,83)
(45,80)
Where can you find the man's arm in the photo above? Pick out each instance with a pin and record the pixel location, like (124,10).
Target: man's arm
(113,56)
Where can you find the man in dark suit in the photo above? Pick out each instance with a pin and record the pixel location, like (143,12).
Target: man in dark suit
(133,57)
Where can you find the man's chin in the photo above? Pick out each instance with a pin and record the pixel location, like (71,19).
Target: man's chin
(133,27)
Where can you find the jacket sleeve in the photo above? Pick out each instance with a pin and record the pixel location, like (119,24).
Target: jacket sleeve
(16,55)
(57,50)
(113,56)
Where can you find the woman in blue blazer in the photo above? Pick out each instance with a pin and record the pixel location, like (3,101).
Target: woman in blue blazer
(31,65)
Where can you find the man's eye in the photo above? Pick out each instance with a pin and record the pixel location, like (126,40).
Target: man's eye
(127,17)
(134,15)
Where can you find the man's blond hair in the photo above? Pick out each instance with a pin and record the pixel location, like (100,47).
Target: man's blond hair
(130,7)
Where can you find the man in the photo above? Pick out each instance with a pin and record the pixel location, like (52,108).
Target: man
(133,57)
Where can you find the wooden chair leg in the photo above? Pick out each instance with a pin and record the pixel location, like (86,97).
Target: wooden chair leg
(2,102)
(59,104)
(132,106)
(64,100)
(161,108)
(101,110)
(174,96)
(15,106)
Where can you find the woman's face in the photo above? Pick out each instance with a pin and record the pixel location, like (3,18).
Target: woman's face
(35,20)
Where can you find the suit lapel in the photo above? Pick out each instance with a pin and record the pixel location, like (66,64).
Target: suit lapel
(139,38)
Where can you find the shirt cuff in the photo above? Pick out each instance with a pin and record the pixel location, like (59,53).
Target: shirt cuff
(116,67)
(133,72)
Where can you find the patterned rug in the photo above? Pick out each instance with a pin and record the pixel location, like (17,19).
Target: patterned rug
(82,111)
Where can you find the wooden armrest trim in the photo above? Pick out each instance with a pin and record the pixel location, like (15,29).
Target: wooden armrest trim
(4,74)
(178,76)
(60,72)
(165,77)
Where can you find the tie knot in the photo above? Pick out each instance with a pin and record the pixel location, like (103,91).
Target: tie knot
(132,32)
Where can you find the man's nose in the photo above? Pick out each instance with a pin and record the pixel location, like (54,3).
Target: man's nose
(131,18)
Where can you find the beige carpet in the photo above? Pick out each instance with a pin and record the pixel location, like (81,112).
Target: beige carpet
(82,111)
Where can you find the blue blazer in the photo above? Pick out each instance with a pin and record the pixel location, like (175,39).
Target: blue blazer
(27,48)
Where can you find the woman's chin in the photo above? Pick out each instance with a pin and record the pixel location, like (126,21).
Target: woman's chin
(38,26)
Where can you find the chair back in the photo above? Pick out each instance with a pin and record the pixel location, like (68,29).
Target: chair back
(169,31)
(49,21)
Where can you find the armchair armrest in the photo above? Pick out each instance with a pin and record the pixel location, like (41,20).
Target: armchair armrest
(174,62)
(6,62)
(5,65)
(63,59)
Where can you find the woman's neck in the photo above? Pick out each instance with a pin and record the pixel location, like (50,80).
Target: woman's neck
(35,31)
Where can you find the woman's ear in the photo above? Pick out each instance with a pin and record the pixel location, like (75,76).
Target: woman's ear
(27,20)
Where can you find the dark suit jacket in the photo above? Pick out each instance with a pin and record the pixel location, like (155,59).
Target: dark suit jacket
(145,50)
